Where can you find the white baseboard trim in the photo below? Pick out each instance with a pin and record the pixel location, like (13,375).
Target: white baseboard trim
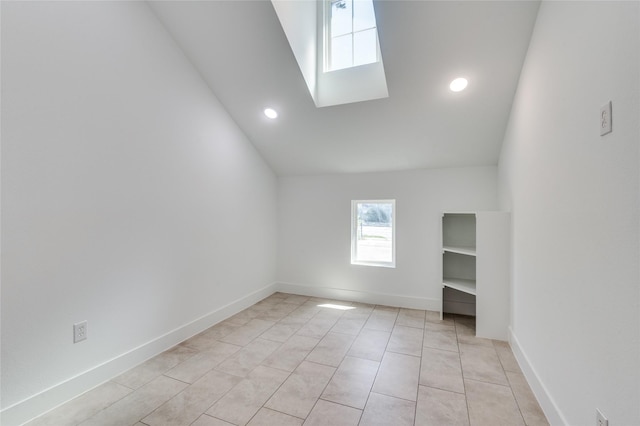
(48,399)
(411,302)
(548,405)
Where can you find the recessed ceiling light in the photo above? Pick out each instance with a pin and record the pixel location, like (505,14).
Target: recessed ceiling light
(271,113)
(458,84)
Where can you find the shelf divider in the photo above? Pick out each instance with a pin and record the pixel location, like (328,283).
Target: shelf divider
(470,251)
(460,284)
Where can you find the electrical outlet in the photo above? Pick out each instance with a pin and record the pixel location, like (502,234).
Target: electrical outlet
(79,332)
(601,420)
(605,119)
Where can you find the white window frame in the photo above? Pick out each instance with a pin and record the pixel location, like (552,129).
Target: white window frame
(354,234)
(327,39)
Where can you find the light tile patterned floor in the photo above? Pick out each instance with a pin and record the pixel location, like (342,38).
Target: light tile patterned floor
(288,361)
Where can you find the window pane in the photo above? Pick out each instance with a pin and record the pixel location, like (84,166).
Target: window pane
(366,47)
(341,17)
(341,52)
(374,236)
(363,15)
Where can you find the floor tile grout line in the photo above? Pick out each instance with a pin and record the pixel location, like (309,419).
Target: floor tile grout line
(488,383)
(119,384)
(516,401)
(341,403)
(281,412)
(415,409)
(182,381)
(442,389)
(380,366)
(396,397)
(439,349)
(464,385)
(376,375)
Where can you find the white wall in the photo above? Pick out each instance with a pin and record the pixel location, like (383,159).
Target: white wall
(130,199)
(575,204)
(314,243)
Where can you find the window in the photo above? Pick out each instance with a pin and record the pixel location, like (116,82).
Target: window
(373,233)
(351,36)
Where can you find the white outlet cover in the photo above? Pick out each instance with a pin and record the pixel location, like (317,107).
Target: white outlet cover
(605,119)
(79,332)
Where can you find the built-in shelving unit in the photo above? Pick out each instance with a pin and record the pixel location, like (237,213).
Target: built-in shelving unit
(475,269)
(459,263)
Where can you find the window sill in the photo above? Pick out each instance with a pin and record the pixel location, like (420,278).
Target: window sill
(378,264)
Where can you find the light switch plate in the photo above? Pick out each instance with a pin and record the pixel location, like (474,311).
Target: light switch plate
(605,119)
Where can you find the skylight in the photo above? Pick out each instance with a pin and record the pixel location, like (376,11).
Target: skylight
(351,34)
(341,61)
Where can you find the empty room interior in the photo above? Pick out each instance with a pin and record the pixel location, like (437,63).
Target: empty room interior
(320,212)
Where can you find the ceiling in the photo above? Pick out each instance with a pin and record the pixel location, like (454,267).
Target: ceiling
(241,51)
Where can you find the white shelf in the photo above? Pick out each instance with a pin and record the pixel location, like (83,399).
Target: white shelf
(470,251)
(466,286)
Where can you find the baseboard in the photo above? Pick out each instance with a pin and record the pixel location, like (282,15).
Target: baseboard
(548,405)
(411,302)
(57,395)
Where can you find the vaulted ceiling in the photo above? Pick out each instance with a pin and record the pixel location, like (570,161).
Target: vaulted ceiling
(241,51)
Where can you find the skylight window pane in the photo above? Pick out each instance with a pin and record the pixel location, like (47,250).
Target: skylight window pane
(341,17)
(365,47)
(352,37)
(342,52)
(363,15)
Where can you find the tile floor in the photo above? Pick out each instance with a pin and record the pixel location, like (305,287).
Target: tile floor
(288,361)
